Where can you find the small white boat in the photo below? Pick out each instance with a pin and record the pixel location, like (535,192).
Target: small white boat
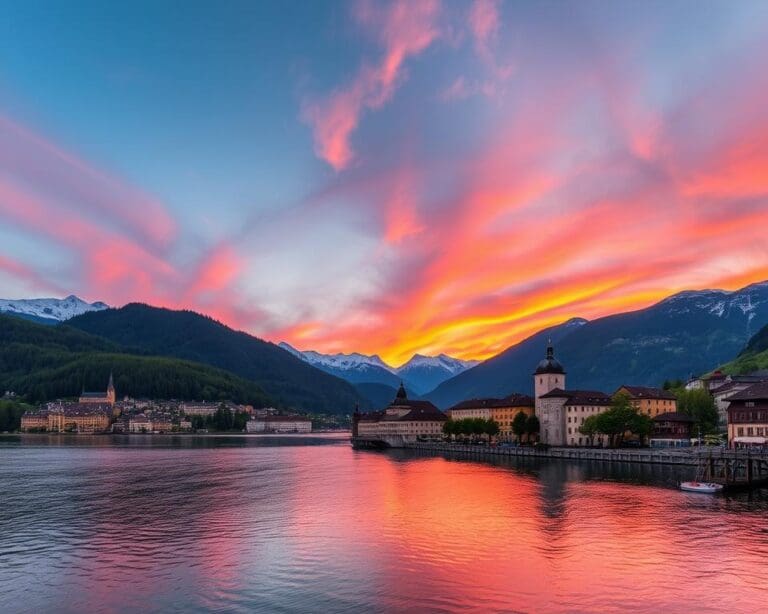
(703,487)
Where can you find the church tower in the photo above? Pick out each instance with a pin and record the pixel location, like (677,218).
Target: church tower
(111,389)
(549,375)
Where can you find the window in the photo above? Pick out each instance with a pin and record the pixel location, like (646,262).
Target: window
(740,431)
(750,431)
(750,404)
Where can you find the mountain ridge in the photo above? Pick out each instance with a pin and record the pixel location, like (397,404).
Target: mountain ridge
(687,333)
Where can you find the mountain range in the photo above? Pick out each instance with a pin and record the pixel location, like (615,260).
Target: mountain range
(49,310)
(687,333)
(420,374)
(691,332)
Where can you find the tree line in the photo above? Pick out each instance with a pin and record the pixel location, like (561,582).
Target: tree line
(223,419)
(522,425)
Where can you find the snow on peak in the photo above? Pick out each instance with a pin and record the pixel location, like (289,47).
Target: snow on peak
(441,361)
(360,362)
(51,308)
(353,361)
(720,303)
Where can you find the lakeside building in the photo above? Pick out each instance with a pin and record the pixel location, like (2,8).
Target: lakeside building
(68,417)
(139,424)
(502,410)
(748,416)
(208,408)
(279,424)
(732,386)
(561,412)
(403,420)
(650,401)
(672,430)
(566,411)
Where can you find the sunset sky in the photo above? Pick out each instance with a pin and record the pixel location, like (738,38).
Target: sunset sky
(386,178)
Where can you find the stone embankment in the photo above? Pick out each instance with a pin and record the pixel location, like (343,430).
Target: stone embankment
(685,456)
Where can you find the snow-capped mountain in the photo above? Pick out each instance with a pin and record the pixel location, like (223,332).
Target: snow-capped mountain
(427,372)
(49,310)
(744,304)
(420,374)
(354,368)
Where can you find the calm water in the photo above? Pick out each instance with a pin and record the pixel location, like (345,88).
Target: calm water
(308,525)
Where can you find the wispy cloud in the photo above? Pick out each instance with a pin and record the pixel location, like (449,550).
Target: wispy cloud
(404,29)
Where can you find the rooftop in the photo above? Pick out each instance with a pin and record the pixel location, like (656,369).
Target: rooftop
(644,392)
(512,400)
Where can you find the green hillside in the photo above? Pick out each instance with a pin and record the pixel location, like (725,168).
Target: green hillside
(754,356)
(44,362)
(191,336)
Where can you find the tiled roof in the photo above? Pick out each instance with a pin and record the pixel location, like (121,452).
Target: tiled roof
(513,400)
(579,397)
(752,393)
(644,392)
(419,411)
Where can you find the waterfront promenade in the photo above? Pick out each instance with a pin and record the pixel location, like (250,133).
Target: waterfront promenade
(733,468)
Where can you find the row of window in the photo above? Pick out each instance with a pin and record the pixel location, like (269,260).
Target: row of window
(758,431)
(750,415)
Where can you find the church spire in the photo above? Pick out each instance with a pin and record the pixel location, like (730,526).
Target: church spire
(401,395)
(111,384)
(550,349)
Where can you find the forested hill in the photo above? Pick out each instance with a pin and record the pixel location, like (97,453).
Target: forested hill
(45,362)
(758,343)
(754,357)
(191,336)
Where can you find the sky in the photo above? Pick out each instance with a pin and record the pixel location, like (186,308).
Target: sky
(426,176)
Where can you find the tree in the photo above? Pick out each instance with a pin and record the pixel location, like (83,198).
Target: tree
(532,426)
(491,428)
(519,424)
(590,428)
(449,427)
(699,405)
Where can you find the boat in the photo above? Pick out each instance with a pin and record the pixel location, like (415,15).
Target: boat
(703,487)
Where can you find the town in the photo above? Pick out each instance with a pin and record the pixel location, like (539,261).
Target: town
(101,412)
(715,409)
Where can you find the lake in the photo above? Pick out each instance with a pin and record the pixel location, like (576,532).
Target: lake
(306,524)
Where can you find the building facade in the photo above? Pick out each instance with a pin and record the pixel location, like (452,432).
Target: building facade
(561,412)
(672,430)
(279,424)
(748,417)
(502,411)
(68,417)
(403,419)
(650,401)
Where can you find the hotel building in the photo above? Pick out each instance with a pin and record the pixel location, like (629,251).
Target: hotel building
(403,419)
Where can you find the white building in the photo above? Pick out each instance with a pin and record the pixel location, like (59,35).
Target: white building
(139,424)
(405,419)
(561,412)
(279,424)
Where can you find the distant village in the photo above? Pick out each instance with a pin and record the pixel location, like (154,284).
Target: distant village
(560,416)
(101,412)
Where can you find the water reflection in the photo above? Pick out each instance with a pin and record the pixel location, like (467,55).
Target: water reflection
(307,524)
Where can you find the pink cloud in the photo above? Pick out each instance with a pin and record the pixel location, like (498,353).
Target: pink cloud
(484,23)
(404,29)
